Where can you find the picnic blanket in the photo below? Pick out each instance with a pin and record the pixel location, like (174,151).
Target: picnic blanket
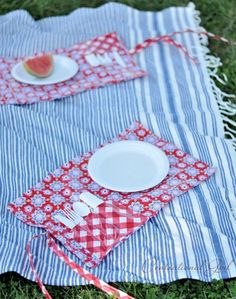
(195,235)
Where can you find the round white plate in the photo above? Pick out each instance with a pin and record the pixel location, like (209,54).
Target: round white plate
(64,69)
(128,166)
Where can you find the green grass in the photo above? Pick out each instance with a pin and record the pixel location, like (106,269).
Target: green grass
(218,16)
(13,286)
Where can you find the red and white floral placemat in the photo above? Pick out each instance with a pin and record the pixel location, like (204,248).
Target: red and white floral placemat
(88,77)
(92,239)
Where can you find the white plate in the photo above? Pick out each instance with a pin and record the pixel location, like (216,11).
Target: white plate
(64,69)
(128,166)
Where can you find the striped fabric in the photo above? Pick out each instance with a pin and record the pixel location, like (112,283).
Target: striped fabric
(195,235)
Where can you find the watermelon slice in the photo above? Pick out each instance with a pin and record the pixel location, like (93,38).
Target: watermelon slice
(41,66)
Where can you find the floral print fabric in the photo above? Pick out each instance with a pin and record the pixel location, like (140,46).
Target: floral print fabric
(125,212)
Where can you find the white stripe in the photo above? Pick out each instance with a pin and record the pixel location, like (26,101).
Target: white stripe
(169,64)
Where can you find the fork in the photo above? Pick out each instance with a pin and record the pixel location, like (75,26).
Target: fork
(69,218)
(73,216)
(64,220)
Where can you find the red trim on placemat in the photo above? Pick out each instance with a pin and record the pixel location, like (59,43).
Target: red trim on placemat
(100,284)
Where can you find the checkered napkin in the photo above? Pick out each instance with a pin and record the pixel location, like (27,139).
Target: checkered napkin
(88,77)
(120,214)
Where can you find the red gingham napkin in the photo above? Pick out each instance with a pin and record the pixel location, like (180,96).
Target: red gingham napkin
(88,77)
(124,213)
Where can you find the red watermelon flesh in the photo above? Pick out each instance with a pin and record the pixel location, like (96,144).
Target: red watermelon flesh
(41,66)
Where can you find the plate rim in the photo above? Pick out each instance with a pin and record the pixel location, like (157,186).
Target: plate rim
(128,190)
(19,79)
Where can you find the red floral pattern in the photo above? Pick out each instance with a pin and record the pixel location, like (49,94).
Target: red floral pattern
(92,239)
(14,92)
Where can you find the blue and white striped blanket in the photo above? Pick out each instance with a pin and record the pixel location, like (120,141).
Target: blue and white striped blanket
(195,235)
